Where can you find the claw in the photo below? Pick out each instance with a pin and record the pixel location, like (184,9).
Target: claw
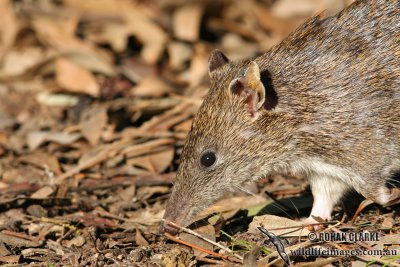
(394,197)
(362,206)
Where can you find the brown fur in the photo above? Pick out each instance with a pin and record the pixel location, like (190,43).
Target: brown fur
(335,119)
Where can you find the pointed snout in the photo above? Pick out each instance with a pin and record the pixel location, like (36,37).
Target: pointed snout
(177,214)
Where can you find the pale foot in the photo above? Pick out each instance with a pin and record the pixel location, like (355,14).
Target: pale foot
(315,223)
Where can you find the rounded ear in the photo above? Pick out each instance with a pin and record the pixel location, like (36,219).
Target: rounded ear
(217,60)
(252,76)
(250,87)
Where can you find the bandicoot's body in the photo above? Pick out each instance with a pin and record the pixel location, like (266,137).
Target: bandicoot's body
(324,103)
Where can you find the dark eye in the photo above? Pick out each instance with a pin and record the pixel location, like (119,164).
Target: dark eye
(208,159)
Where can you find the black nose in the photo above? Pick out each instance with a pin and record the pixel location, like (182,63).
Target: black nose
(167,228)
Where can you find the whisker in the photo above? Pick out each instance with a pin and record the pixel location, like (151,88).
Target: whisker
(396,181)
(281,208)
(280,203)
(246,191)
(298,212)
(277,205)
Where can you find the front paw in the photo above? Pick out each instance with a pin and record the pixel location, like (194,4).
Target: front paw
(315,223)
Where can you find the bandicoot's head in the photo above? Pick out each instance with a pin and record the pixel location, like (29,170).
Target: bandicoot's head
(233,137)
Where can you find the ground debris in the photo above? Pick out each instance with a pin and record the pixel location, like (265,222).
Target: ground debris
(96,99)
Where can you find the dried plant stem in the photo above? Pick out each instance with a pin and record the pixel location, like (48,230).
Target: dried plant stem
(227,257)
(105,154)
(204,238)
(385,262)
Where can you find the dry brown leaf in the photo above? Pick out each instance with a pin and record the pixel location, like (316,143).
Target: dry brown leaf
(331,7)
(161,160)
(270,22)
(140,149)
(43,192)
(86,59)
(186,21)
(179,53)
(8,27)
(153,37)
(151,86)
(16,62)
(207,231)
(140,240)
(184,126)
(6,121)
(75,78)
(137,23)
(10,176)
(60,34)
(4,251)
(37,211)
(91,60)
(3,185)
(42,160)
(128,194)
(136,69)
(272,221)
(198,67)
(154,162)
(113,33)
(93,121)
(147,216)
(237,48)
(91,153)
(387,222)
(285,9)
(77,241)
(176,110)
(10,259)
(173,120)
(36,138)
(18,241)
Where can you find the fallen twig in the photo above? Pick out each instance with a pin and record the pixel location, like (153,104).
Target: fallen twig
(385,262)
(227,257)
(210,260)
(204,238)
(103,155)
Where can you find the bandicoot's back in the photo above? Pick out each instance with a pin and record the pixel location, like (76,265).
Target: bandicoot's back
(324,103)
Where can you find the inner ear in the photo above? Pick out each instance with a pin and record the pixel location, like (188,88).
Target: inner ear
(249,96)
(271,97)
(250,88)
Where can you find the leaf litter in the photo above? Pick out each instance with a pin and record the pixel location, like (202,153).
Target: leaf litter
(96,99)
